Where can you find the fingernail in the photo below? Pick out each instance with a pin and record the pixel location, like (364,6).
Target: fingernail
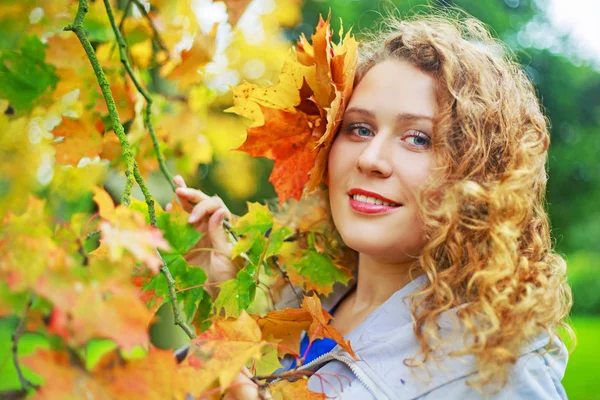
(191,219)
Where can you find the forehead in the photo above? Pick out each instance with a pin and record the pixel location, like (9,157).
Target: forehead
(395,86)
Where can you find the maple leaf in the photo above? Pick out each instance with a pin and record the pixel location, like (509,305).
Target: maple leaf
(79,138)
(155,376)
(286,390)
(85,311)
(235,295)
(287,325)
(24,75)
(20,267)
(311,268)
(294,122)
(224,349)
(123,228)
(186,70)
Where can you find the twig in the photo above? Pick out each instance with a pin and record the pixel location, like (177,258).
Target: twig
(122,44)
(157,37)
(77,28)
(15,345)
(121,23)
(132,171)
(177,317)
(287,278)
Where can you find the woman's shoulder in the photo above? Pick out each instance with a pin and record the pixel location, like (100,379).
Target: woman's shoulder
(537,374)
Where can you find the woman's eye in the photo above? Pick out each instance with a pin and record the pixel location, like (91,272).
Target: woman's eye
(361,131)
(418,139)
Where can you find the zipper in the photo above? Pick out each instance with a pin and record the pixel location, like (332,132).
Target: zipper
(356,370)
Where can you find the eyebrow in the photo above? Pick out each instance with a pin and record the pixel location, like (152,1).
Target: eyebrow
(401,117)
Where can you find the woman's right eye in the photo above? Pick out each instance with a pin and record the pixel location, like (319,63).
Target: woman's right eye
(359,130)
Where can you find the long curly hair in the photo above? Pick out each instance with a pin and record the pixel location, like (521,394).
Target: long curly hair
(488,249)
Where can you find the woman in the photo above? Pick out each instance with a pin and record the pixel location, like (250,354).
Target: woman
(437,179)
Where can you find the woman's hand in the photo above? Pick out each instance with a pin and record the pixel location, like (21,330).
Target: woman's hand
(206,216)
(244,388)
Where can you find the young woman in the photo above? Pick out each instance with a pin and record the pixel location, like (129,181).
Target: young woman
(436,179)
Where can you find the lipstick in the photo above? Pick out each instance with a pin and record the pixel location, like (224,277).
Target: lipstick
(368,208)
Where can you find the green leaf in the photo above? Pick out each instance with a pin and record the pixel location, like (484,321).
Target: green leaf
(202,320)
(268,362)
(257,220)
(176,230)
(186,277)
(318,272)
(276,240)
(236,294)
(24,75)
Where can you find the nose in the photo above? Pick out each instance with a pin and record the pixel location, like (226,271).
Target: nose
(374,158)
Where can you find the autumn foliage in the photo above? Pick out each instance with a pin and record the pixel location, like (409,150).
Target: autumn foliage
(98,100)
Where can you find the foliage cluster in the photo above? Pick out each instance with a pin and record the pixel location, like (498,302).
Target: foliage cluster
(124,88)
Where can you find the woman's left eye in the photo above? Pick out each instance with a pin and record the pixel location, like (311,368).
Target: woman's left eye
(418,139)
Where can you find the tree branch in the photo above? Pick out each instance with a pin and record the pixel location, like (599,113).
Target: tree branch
(25,384)
(122,44)
(157,37)
(132,171)
(77,28)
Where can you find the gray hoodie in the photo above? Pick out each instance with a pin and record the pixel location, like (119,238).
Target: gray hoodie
(385,339)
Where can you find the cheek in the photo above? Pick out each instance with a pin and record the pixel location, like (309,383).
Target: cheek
(414,173)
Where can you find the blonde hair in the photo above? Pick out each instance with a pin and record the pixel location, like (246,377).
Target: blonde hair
(488,247)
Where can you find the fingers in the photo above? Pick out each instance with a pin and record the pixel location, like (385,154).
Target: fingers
(188,197)
(207,207)
(216,232)
(178,180)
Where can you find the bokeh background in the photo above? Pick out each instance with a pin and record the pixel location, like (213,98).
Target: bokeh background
(556,41)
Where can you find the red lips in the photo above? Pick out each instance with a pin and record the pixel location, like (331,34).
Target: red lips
(367,208)
(354,191)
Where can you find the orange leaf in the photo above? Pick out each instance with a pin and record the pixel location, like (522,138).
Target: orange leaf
(79,139)
(154,377)
(320,323)
(286,390)
(186,70)
(124,228)
(223,350)
(287,325)
(286,138)
(85,311)
(295,121)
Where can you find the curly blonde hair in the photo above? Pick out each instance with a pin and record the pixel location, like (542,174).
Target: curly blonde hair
(488,247)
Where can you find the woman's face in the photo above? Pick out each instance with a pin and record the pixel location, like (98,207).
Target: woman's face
(383,153)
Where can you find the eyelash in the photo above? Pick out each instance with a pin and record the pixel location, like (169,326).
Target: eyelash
(418,134)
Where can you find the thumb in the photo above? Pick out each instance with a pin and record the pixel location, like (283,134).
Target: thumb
(216,231)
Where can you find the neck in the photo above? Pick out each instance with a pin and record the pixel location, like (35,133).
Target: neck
(378,280)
